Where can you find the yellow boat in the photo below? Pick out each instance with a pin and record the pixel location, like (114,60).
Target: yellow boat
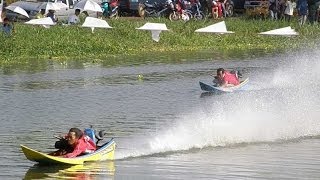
(105,152)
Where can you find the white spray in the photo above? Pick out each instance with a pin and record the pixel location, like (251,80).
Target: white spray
(289,109)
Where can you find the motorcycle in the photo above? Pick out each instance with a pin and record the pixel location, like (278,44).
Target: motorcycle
(110,9)
(195,11)
(217,9)
(155,10)
(180,11)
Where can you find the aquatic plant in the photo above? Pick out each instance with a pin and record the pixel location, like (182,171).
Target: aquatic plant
(34,43)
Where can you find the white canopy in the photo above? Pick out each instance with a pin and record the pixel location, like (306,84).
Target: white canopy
(18,10)
(155,29)
(219,28)
(42,21)
(286,31)
(154,26)
(95,23)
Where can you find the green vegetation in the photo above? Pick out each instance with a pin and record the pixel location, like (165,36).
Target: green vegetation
(34,44)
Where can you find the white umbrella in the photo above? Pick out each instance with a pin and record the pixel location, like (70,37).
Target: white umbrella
(49,6)
(61,5)
(88,5)
(18,10)
(155,29)
(95,23)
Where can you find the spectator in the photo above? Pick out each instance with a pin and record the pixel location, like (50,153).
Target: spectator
(83,16)
(282,7)
(41,14)
(7,28)
(52,15)
(288,11)
(313,10)
(273,10)
(302,7)
(74,19)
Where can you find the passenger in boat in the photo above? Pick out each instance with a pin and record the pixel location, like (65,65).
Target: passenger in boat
(75,143)
(225,78)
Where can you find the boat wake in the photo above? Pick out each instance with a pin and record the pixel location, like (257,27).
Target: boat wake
(288,110)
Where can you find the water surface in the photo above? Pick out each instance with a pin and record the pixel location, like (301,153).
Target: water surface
(164,126)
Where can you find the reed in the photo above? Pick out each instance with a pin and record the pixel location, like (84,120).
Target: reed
(62,43)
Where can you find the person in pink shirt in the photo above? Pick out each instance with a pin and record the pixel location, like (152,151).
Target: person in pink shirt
(225,78)
(75,143)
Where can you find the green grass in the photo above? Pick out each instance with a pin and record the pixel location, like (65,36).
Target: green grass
(34,44)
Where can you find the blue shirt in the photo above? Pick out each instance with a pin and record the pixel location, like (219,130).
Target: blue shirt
(302,6)
(7,29)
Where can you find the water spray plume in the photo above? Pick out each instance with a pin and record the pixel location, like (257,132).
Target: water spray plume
(288,109)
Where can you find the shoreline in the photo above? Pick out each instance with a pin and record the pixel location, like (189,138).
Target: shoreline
(64,43)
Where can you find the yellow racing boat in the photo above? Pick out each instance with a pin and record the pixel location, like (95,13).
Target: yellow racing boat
(104,152)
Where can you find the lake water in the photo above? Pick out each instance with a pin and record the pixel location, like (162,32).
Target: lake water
(165,127)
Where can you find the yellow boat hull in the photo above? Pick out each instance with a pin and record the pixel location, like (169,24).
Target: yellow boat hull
(105,152)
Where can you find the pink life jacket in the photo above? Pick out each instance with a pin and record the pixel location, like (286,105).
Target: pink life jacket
(230,78)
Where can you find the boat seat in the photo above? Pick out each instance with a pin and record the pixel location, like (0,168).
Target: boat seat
(90,132)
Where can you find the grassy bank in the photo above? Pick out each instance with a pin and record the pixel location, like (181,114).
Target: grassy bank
(34,43)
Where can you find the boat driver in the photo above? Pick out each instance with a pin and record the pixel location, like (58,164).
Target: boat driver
(75,143)
(225,78)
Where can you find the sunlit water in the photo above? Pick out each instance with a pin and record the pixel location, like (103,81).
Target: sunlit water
(164,126)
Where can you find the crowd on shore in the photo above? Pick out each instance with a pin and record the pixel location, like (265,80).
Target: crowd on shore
(277,10)
(286,9)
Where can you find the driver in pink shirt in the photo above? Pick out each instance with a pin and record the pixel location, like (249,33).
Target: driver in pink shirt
(80,142)
(74,144)
(225,78)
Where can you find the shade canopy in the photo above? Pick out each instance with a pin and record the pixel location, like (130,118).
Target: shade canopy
(95,23)
(219,28)
(154,26)
(155,29)
(42,21)
(286,31)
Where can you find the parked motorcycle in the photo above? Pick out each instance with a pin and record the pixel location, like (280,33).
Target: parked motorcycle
(217,10)
(195,11)
(181,11)
(110,9)
(155,10)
